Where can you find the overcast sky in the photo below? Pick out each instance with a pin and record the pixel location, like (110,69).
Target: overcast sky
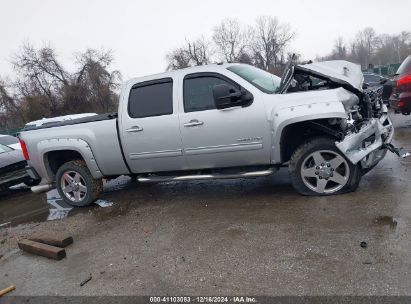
(141,32)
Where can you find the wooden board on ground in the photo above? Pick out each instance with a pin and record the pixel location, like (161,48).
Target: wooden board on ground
(7,290)
(45,250)
(53,240)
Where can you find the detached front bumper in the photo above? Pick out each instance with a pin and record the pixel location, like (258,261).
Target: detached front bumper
(366,146)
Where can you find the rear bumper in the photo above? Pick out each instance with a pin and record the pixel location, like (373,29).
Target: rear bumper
(365,146)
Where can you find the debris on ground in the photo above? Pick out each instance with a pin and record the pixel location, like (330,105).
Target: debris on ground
(53,240)
(88,279)
(363,244)
(7,290)
(103,203)
(41,249)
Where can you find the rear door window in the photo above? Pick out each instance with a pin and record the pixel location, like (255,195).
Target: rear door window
(151,98)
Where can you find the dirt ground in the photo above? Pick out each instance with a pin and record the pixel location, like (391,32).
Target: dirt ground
(247,236)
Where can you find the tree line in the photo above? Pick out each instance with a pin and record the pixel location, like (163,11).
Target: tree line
(368,48)
(43,87)
(266,45)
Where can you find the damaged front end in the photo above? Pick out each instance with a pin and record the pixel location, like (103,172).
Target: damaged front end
(368,131)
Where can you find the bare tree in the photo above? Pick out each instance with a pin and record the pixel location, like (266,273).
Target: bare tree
(40,74)
(94,79)
(270,41)
(363,46)
(340,49)
(44,88)
(231,40)
(178,59)
(199,51)
(194,52)
(10,114)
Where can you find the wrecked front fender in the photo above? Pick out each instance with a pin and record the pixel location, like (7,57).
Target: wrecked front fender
(366,145)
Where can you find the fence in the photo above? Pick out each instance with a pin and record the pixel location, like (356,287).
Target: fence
(9,132)
(387,70)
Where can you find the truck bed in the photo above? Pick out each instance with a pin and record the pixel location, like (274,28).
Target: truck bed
(97,133)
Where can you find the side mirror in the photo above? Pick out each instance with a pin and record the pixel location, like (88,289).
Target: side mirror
(226,96)
(365,86)
(383,80)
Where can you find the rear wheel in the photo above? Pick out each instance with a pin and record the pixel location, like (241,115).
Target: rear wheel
(76,185)
(317,167)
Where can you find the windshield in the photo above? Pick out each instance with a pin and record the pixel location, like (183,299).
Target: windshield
(4,149)
(266,82)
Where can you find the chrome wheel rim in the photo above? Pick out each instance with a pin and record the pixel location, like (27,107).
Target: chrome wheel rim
(325,171)
(73,186)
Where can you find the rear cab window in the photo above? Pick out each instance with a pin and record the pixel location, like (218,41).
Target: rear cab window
(151,98)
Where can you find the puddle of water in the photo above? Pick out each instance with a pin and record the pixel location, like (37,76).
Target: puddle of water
(386,220)
(395,224)
(20,206)
(59,209)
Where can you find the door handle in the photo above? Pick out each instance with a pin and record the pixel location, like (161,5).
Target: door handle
(193,123)
(135,129)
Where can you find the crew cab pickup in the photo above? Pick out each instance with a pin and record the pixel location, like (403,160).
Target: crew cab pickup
(221,121)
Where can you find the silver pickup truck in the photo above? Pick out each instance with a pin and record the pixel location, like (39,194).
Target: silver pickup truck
(221,121)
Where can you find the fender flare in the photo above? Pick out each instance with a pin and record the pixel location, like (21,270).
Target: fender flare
(284,117)
(71,144)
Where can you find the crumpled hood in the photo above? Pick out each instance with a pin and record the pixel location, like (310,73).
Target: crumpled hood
(341,72)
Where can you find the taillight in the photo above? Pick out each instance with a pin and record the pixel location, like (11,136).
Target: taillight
(401,104)
(24,149)
(404,83)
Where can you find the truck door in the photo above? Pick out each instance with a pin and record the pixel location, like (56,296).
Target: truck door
(149,127)
(213,138)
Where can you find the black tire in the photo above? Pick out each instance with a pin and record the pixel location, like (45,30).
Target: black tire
(32,182)
(321,144)
(93,186)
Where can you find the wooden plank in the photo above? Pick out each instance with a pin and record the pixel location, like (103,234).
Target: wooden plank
(7,290)
(53,240)
(45,250)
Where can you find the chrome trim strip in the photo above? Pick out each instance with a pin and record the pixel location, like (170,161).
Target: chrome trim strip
(224,148)
(156,154)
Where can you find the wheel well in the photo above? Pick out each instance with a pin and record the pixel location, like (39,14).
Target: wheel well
(296,134)
(55,159)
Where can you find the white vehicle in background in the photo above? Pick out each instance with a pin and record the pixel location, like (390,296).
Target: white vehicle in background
(48,121)
(10,141)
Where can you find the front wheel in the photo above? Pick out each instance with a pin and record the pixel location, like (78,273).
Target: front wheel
(76,185)
(317,167)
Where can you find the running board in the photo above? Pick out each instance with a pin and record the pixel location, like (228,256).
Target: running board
(157,178)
